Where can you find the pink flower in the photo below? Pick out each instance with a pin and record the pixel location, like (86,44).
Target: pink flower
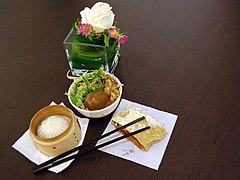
(86,29)
(122,39)
(113,33)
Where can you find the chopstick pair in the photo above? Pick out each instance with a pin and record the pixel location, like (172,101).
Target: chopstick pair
(61,158)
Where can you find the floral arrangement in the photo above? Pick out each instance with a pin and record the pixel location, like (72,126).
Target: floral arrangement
(94,40)
(98,22)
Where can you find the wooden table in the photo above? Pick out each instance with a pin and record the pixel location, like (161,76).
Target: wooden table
(182,57)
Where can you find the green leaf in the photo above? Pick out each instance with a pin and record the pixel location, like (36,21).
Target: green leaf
(106,40)
(107,84)
(90,38)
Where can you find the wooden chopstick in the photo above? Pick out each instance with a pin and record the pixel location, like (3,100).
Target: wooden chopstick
(60,159)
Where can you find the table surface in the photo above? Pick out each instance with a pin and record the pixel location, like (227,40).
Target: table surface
(182,57)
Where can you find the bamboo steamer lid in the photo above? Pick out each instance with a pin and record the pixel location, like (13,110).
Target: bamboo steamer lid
(65,141)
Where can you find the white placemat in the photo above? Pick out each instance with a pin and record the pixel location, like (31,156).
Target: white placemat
(127,150)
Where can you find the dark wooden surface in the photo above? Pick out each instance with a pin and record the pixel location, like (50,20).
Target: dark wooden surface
(182,57)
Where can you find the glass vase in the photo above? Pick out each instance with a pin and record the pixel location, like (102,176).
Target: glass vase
(85,55)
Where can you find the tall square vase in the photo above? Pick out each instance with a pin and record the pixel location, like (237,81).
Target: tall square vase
(85,55)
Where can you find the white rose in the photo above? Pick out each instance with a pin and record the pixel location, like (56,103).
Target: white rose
(100,16)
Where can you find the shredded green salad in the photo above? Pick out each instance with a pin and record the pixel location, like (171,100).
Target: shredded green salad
(85,84)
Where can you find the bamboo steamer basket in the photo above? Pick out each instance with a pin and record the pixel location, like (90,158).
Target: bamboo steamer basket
(65,141)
